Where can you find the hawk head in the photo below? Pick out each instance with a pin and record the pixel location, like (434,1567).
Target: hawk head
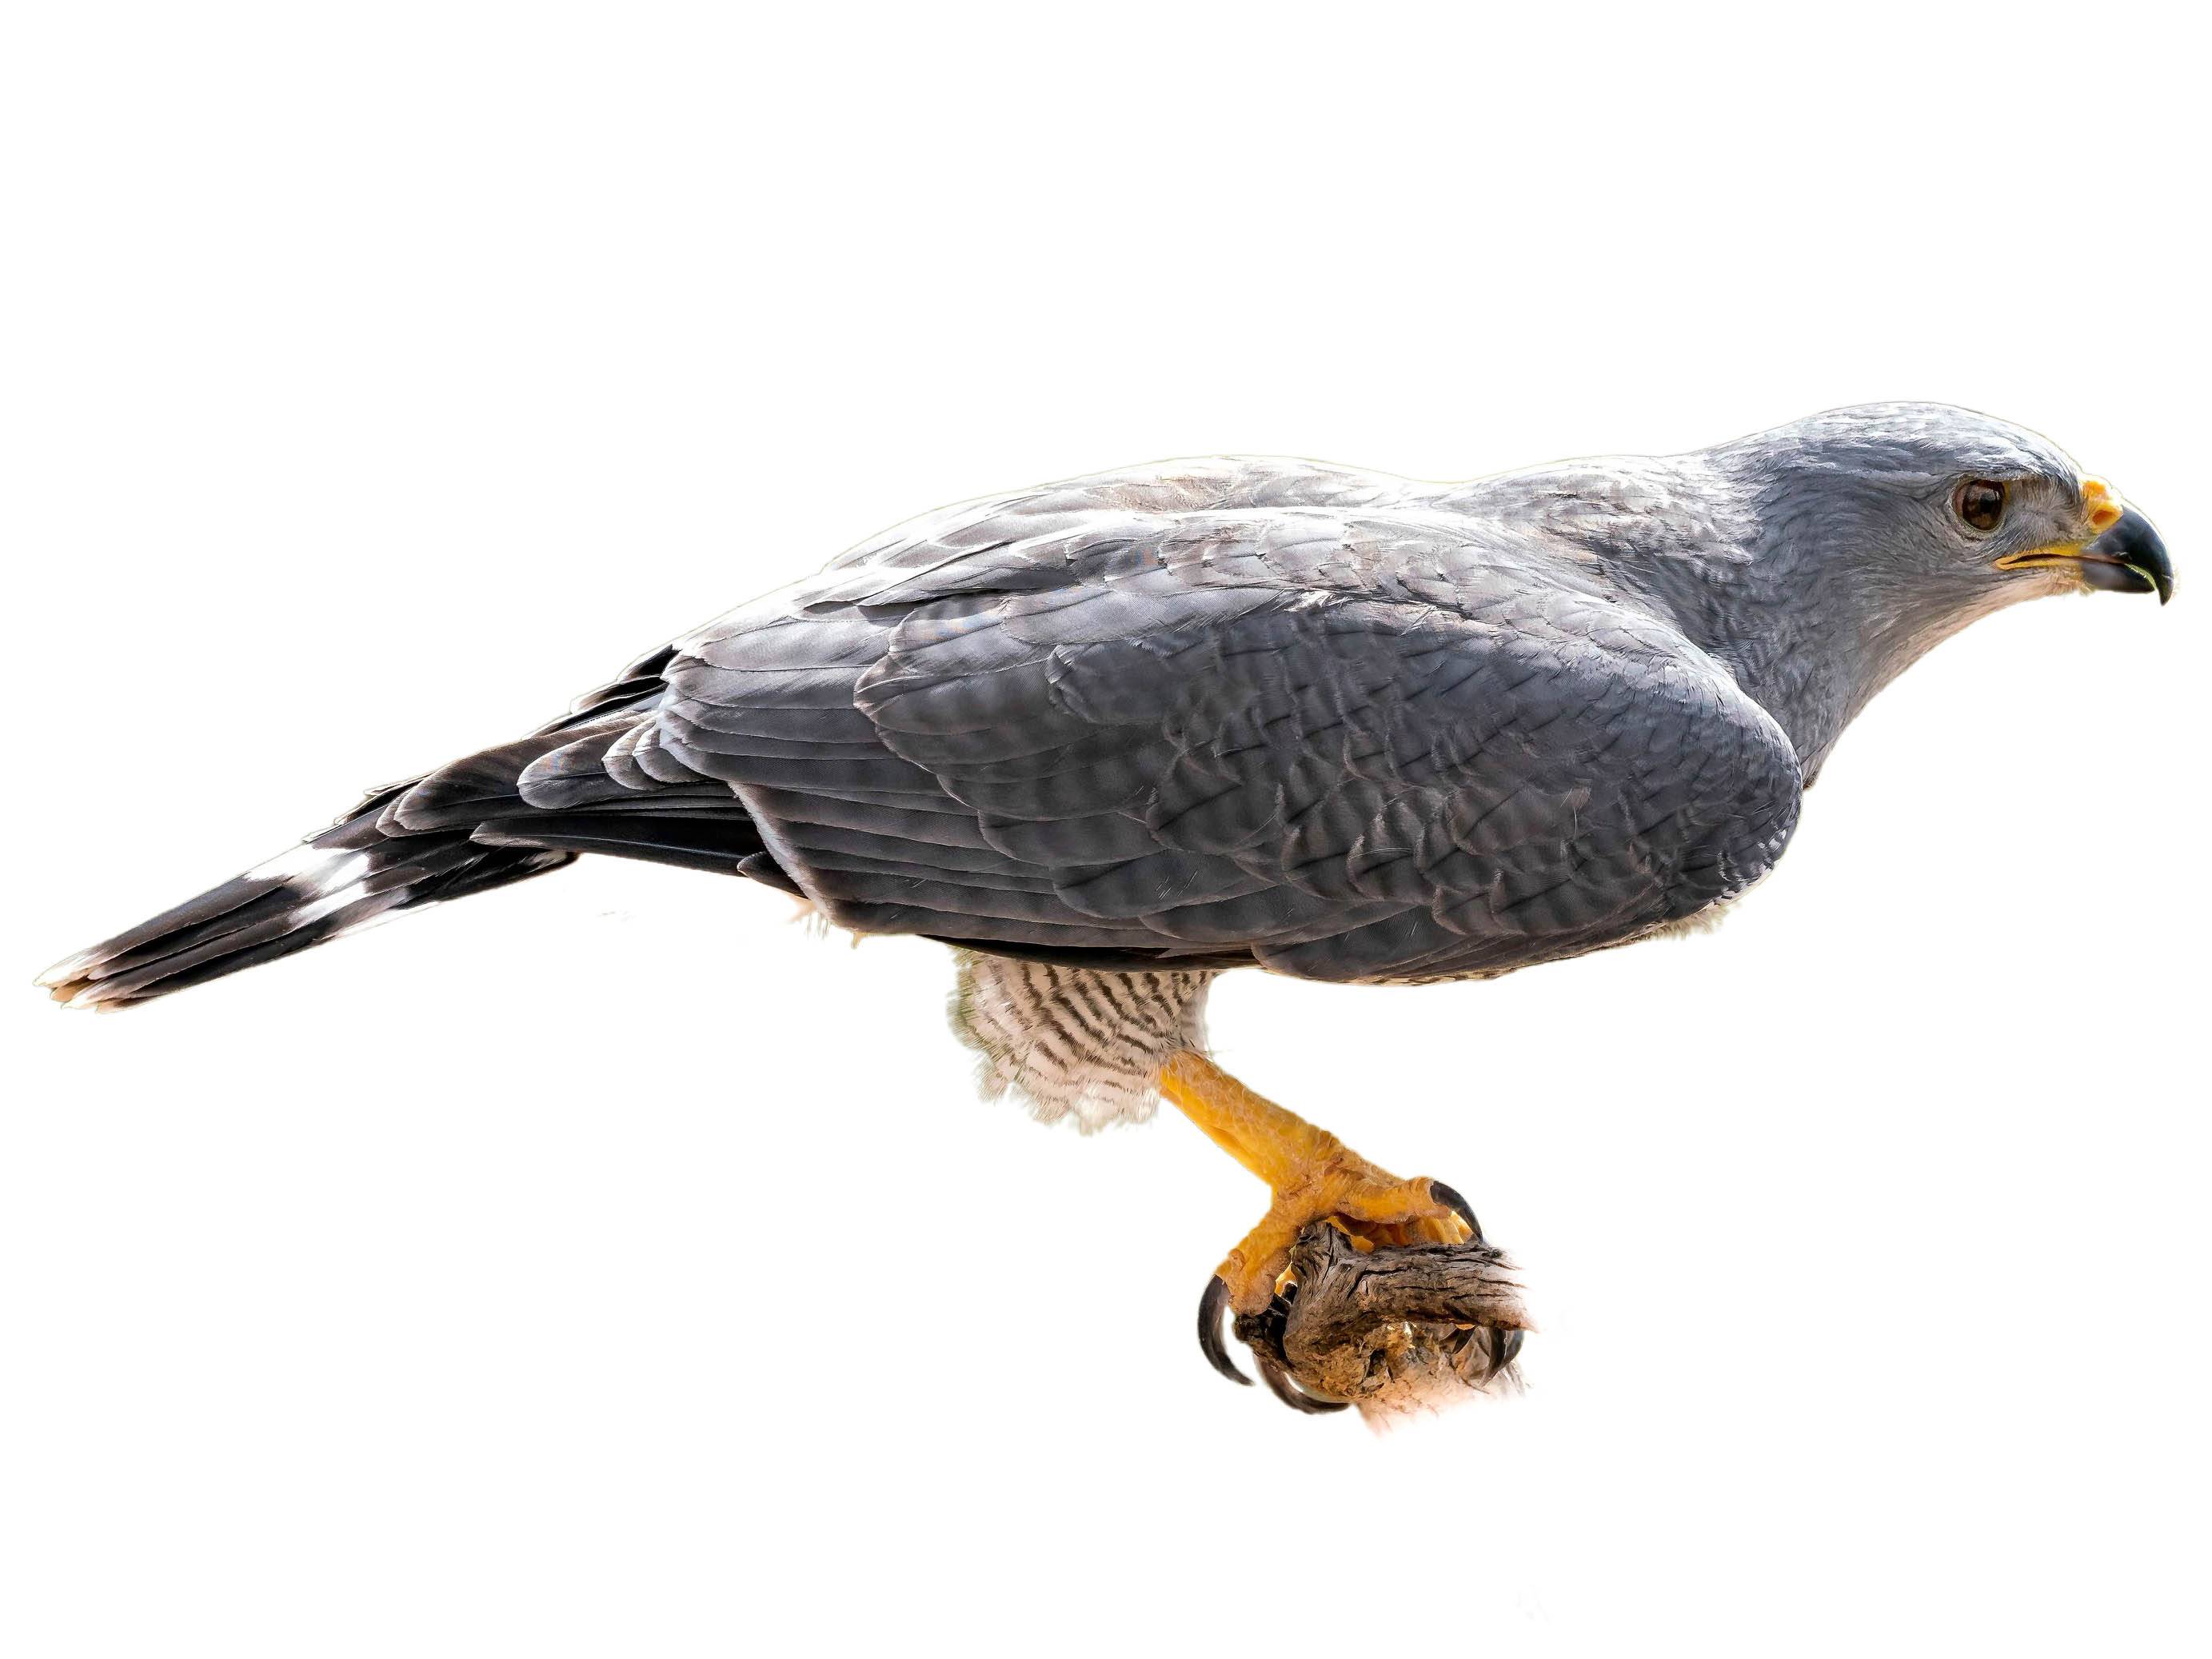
(1944,502)
(1859,538)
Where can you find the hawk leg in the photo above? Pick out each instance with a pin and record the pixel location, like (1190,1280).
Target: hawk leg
(1316,1178)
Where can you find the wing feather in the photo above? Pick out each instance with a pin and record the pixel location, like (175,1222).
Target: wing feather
(1344,743)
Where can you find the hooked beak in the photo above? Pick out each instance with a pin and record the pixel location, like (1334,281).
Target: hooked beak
(2129,558)
(2126,557)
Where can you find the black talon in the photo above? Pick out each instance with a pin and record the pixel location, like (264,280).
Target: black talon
(1440,1193)
(1505,1348)
(1211,1307)
(1280,1385)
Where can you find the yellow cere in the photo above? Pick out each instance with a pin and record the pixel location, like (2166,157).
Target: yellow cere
(2104,504)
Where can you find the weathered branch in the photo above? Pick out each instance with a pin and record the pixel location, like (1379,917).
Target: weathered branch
(1392,1327)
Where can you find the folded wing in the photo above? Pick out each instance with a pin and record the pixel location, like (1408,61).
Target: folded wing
(1333,739)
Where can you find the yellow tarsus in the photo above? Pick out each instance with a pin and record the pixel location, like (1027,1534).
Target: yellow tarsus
(1271,1141)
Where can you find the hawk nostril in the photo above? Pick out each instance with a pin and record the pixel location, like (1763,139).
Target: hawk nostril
(2105,508)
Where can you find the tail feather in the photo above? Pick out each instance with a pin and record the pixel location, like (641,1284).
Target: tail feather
(332,884)
(485,820)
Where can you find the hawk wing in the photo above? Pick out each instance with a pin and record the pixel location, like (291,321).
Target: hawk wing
(1216,713)
(1209,718)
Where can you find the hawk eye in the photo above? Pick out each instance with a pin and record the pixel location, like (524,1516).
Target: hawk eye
(1980,503)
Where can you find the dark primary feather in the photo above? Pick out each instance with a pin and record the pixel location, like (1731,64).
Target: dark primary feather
(365,866)
(1227,713)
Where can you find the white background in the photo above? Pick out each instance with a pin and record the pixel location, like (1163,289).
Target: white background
(606,1266)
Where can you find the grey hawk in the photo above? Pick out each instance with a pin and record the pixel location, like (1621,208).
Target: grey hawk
(1113,737)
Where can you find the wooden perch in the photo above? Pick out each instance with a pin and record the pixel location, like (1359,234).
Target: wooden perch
(1389,1329)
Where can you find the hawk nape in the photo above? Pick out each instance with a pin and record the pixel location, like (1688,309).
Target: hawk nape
(1113,737)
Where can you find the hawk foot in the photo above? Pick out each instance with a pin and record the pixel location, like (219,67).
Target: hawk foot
(1320,1346)
(1346,1193)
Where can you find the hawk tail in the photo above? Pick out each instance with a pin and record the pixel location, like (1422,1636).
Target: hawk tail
(350,875)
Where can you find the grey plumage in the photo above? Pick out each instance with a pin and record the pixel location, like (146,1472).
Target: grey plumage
(1201,715)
